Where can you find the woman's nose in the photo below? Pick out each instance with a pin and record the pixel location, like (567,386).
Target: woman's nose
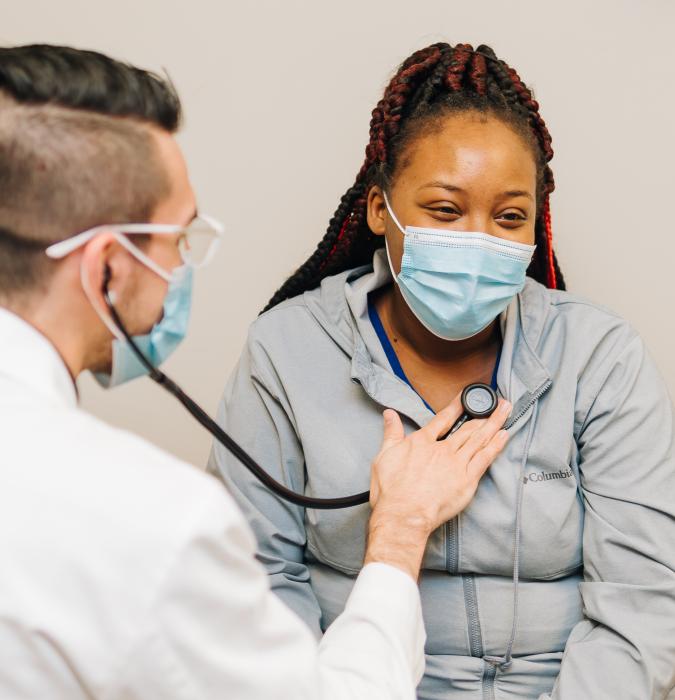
(479,221)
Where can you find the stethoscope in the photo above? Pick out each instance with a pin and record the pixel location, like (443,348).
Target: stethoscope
(478,401)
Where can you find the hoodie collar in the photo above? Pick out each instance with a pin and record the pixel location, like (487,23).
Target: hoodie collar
(341,307)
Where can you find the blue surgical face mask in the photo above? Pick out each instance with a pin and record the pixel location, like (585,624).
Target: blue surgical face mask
(456,282)
(164,337)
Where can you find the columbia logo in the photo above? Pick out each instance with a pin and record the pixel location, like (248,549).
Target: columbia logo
(548,476)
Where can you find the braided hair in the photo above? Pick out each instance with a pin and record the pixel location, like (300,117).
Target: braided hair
(431,84)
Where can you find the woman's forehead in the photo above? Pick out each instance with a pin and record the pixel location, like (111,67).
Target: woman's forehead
(472,149)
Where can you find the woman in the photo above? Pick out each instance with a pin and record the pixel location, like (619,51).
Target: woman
(417,289)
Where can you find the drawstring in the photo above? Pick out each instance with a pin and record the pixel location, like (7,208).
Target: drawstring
(504,662)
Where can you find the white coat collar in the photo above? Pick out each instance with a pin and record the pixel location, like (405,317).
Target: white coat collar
(29,359)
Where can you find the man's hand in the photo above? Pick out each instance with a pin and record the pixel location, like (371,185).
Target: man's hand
(419,482)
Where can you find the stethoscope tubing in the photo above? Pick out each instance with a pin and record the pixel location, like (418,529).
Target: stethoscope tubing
(203,418)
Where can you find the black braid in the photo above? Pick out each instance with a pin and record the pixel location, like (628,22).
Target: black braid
(361,248)
(559,274)
(300,281)
(428,91)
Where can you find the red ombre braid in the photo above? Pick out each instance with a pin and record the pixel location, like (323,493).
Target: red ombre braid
(552,280)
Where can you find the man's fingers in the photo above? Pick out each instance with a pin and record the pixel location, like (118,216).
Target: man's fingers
(485,457)
(460,436)
(444,419)
(481,437)
(393,429)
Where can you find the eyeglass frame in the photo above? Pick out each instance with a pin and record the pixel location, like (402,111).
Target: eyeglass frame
(63,248)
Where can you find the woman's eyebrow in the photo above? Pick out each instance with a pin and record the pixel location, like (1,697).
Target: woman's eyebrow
(454,188)
(442,185)
(517,193)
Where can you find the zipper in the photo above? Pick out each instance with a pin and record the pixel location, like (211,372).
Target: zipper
(488,681)
(452,545)
(452,526)
(514,418)
(468,580)
(471,604)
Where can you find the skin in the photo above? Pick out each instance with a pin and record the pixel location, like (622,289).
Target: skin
(474,173)
(418,482)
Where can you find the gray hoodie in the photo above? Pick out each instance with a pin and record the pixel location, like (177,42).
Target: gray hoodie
(558,580)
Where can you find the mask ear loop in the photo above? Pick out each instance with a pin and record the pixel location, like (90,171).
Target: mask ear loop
(391,213)
(114,326)
(142,257)
(398,225)
(120,330)
(115,332)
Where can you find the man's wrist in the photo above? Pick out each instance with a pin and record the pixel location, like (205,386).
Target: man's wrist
(397,541)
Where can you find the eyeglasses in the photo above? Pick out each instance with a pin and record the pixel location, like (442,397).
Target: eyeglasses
(197,242)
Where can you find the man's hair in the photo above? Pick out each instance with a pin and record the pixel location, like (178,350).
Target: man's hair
(75,151)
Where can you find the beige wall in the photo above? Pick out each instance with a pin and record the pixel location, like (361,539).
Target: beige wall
(278,98)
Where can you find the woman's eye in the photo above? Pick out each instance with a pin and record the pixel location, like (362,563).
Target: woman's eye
(512,216)
(448,211)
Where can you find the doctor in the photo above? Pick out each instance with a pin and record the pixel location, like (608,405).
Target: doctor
(125,572)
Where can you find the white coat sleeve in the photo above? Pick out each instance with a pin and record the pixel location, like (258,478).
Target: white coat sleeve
(216,630)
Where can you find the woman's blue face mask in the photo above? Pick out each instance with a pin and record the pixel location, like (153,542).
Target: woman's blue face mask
(456,282)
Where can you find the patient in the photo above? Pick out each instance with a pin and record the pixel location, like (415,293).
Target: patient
(417,289)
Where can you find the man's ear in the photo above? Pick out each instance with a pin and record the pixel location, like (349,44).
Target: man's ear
(376,211)
(100,261)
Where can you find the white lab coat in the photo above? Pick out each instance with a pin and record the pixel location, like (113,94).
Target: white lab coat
(126,573)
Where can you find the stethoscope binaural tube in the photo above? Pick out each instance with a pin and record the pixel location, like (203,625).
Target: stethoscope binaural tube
(471,401)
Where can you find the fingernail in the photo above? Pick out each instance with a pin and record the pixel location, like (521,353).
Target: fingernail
(506,407)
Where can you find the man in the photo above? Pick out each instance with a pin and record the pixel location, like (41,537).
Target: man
(127,573)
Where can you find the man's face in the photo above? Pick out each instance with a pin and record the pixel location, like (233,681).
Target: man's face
(140,292)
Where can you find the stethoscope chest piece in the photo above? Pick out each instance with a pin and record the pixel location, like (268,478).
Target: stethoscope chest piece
(478,401)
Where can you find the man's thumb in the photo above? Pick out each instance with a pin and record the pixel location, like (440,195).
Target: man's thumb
(393,429)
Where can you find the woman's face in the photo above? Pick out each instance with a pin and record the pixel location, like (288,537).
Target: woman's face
(474,173)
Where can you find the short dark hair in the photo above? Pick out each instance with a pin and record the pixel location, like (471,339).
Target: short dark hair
(76,151)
